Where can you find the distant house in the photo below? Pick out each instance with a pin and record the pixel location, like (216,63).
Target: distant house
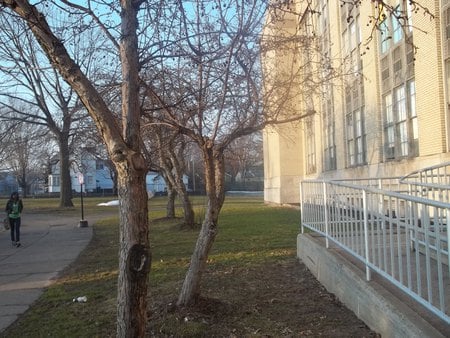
(8,183)
(97,178)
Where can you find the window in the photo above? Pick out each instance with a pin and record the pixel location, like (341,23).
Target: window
(352,35)
(409,54)
(385,68)
(54,181)
(329,134)
(409,11)
(358,137)
(384,32)
(390,135)
(391,25)
(354,122)
(355,138)
(329,147)
(397,33)
(413,116)
(351,32)
(310,147)
(397,60)
(447,78)
(401,129)
(350,141)
(447,23)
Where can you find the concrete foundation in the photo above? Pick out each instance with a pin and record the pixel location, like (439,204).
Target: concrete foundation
(381,309)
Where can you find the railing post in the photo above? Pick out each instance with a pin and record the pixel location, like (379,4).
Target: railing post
(366,235)
(325,207)
(301,208)
(448,239)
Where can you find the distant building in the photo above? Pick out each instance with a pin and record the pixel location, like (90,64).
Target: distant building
(8,183)
(97,178)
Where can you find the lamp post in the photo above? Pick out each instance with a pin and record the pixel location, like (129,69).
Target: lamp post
(83,223)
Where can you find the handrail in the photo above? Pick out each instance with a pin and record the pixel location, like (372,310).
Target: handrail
(402,237)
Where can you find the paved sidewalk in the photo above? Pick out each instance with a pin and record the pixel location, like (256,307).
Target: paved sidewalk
(48,246)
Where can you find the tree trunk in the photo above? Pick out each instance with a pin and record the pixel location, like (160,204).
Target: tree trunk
(124,150)
(214,176)
(171,195)
(134,259)
(134,254)
(65,195)
(22,182)
(189,215)
(188,210)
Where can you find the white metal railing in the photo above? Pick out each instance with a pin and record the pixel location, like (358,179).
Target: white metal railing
(401,237)
(432,182)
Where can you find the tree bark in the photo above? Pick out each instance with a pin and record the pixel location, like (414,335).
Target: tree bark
(134,258)
(65,194)
(171,195)
(214,177)
(189,215)
(134,253)
(124,150)
(173,168)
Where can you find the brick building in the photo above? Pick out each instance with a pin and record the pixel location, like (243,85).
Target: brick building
(387,116)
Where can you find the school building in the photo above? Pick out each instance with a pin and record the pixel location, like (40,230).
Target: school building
(385,115)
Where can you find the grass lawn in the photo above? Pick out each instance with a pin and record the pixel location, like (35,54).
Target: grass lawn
(251,233)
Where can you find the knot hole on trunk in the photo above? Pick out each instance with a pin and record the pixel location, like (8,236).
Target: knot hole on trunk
(139,260)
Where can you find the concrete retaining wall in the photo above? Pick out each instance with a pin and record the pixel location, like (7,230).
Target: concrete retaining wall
(377,307)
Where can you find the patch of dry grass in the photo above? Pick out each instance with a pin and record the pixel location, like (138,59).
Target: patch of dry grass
(253,285)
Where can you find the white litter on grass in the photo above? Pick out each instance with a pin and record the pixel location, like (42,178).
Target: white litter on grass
(109,204)
(80,299)
(116,202)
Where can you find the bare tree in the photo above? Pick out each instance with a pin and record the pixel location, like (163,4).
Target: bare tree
(207,84)
(166,151)
(209,88)
(242,155)
(24,149)
(124,148)
(29,81)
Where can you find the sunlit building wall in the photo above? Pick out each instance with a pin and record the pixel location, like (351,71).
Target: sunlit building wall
(385,115)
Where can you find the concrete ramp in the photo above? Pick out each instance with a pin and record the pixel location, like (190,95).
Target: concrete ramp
(383,308)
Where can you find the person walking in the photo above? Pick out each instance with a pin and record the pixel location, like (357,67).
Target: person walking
(13,209)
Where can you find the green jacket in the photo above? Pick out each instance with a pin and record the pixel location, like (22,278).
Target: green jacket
(12,210)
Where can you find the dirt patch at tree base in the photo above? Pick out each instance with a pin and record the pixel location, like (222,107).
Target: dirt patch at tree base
(278,298)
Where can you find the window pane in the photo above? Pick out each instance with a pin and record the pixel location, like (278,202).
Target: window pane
(400,103)
(409,11)
(447,22)
(358,129)
(384,34)
(390,136)
(351,152)
(412,99)
(415,129)
(349,127)
(403,135)
(359,149)
(396,26)
(352,29)
(388,107)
